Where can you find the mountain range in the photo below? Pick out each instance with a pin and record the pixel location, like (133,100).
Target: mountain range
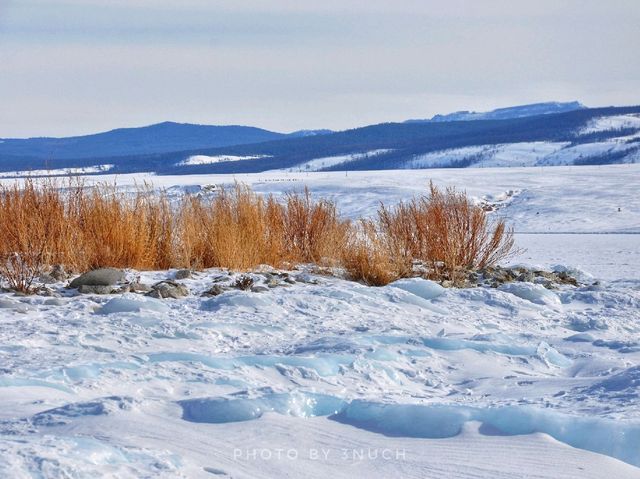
(528,135)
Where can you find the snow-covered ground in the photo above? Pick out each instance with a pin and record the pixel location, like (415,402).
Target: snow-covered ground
(318,164)
(329,378)
(614,122)
(538,153)
(567,199)
(207,160)
(86,170)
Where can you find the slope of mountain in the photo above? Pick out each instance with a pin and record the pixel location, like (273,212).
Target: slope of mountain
(581,136)
(585,136)
(519,111)
(158,138)
(300,133)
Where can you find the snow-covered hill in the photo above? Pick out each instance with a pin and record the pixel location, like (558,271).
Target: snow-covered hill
(595,143)
(518,111)
(522,136)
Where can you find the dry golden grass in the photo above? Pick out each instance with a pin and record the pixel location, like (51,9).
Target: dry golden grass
(448,232)
(80,227)
(313,231)
(372,257)
(27,216)
(240,229)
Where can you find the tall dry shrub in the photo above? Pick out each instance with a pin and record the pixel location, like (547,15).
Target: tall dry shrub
(33,231)
(240,229)
(313,231)
(373,257)
(229,230)
(448,232)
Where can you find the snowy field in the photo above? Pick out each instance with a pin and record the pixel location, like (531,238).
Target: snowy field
(322,377)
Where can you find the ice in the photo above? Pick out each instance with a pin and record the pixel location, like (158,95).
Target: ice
(223,410)
(328,365)
(133,303)
(28,382)
(627,380)
(422,288)
(53,456)
(441,421)
(97,407)
(580,338)
(427,421)
(534,293)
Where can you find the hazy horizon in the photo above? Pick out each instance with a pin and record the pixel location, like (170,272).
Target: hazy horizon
(71,67)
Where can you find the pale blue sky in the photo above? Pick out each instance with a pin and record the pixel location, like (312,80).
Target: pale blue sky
(79,66)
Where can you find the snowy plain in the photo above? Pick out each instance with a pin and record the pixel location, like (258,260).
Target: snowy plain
(327,377)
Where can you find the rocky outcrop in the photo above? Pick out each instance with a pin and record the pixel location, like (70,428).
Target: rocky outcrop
(98,277)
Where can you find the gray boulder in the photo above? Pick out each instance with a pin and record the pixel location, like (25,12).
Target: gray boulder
(214,290)
(98,277)
(183,274)
(168,289)
(140,288)
(96,289)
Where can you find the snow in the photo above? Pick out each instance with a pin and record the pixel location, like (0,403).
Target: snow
(546,200)
(536,293)
(318,164)
(422,288)
(132,303)
(331,378)
(612,122)
(485,156)
(207,160)
(528,154)
(85,170)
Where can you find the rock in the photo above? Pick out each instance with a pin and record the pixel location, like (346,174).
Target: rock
(98,277)
(58,273)
(168,289)
(259,289)
(44,291)
(96,289)
(215,290)
(244,282)
(289,280)
(526,277)
(545,274)
(139,287)
(183,274)
(565,278)
(273,283)
(306,278)
(46,278)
